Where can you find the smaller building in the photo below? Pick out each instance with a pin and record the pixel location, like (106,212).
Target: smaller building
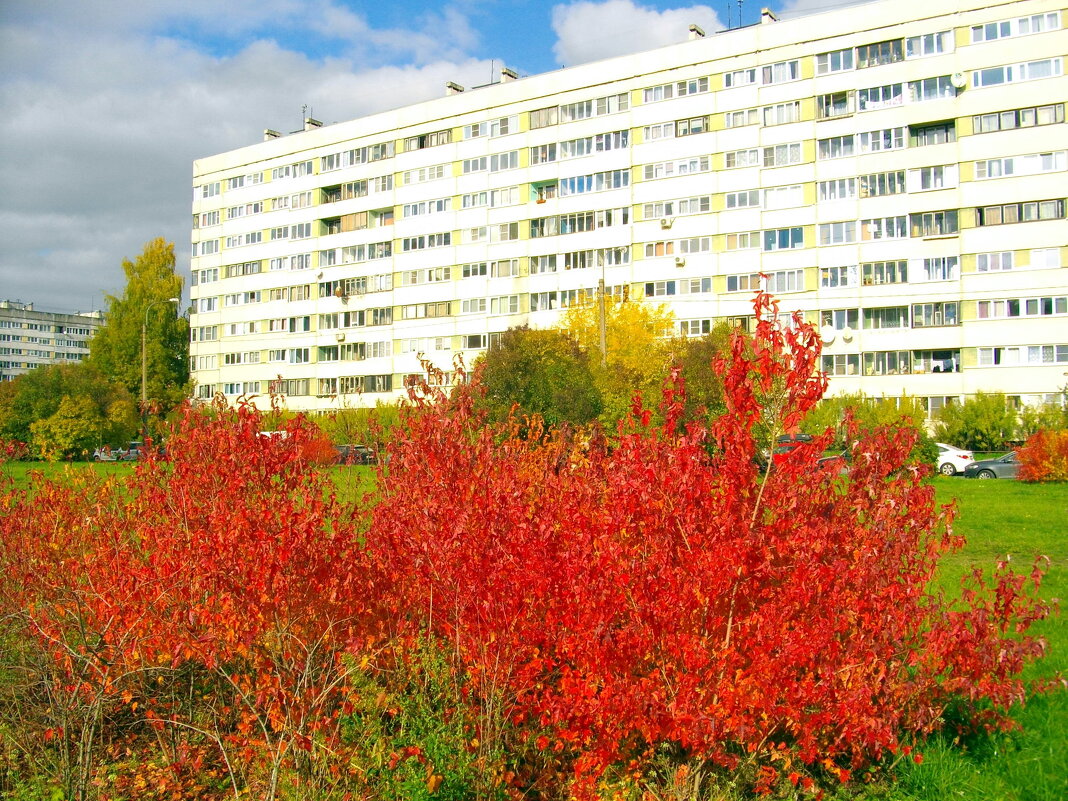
(30,339)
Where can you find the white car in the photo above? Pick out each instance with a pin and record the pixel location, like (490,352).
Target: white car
(951,460)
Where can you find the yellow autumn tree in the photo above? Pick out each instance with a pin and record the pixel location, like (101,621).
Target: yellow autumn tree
(638,349)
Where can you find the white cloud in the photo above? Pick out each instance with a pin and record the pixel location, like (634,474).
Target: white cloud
(108,103)
(587,31)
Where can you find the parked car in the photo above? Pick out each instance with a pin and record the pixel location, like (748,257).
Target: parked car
(105,453)
(355,454)
(952,460)
(1007,466)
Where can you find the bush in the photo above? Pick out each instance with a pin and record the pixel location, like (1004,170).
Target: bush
(1049,416)
(1044,457)
(655,596)
(984,422)
(525,613)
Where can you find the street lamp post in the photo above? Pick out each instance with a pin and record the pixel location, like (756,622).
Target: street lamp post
(144,361)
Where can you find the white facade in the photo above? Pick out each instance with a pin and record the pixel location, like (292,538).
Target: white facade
(901,181)
(30,338)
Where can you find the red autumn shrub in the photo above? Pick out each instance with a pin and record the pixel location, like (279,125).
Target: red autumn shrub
(1044,457)
(227,566)
(654,594)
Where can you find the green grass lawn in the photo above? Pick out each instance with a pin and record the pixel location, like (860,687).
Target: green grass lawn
(999,519)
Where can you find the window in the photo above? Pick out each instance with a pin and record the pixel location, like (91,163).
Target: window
(837,233)
(884,272)
(929,315)
(543,264)
(994,262)
(926,179)
(418,176)
(544,117)
(886,317)
(929,44)
(1017,73)
(426,241)
(1019,118)
(838,189)
(743,200)
(614,140)
(834,61)
(838,277)
(1021,26)
(782,155)
(934,223)
(473,306)
(663,130)
(836,104)
(783,239)
(694,125)
(739,119)
(891,362)
(782,113)
(742,158)
(695,328)
(743,241)
(744,283)
(883,139)
(873,55)
(780,72)
(498,127)
(667,169)
(931,89)
(841,364)
(681,207)
(932,134)
(940,268)
(882,183)
(1047,354)
(786,281)
(884,228)
(1020,165)
(1021,212)
(1045,258)
(878,97)
(739,78)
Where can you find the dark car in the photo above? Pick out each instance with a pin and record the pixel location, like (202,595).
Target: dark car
(355,454)
(1007,466)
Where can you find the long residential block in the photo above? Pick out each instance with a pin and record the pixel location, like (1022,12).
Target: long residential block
(895,171)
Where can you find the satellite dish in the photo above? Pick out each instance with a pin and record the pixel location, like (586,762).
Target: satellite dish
(958,80)
(827,334)
(847,334)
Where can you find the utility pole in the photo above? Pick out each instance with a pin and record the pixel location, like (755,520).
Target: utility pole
(601,322)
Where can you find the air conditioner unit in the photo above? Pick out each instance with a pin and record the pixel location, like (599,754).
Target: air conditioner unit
(667,222)
(680,261)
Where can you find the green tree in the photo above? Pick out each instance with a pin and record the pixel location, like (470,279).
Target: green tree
(545,372)
(75,429)
(984,422)
(116,348)
(37,395)
(704,389)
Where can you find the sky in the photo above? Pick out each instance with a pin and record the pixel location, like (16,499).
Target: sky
(104,104)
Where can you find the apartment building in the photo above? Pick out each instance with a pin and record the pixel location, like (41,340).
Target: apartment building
(895,171)
(30,338)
